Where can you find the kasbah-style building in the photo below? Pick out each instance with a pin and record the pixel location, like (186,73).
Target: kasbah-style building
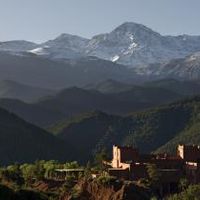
(129,164)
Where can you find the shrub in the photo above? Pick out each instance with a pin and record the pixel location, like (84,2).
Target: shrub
(106,180)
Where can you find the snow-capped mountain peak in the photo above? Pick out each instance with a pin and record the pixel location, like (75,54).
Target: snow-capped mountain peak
(129,44)
(120,44)
(134,28)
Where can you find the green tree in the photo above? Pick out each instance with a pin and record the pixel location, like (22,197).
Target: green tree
(71,165)
(99,158)
(106,180)
(191,193)
(50,166)
(69,184)
(28,173)
(39,170)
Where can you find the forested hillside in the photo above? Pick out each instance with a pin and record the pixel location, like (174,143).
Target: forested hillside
(147,130)
(160,128)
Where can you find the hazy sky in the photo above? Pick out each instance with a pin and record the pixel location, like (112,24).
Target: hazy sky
(40,20)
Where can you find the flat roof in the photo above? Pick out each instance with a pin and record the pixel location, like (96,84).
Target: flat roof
(117,169)
(168,170)
(69,170)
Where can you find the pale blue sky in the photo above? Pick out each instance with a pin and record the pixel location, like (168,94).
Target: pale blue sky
(40,20)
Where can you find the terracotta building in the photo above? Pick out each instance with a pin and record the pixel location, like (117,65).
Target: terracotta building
(128,163)
(189,152)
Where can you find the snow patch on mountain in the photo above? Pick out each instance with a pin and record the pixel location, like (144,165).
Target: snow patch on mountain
(115,58)
(40,51)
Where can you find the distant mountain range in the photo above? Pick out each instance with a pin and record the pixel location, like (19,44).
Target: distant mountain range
(129,44)
(130,53)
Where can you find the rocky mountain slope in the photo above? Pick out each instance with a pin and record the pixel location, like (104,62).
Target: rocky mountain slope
(187,68)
